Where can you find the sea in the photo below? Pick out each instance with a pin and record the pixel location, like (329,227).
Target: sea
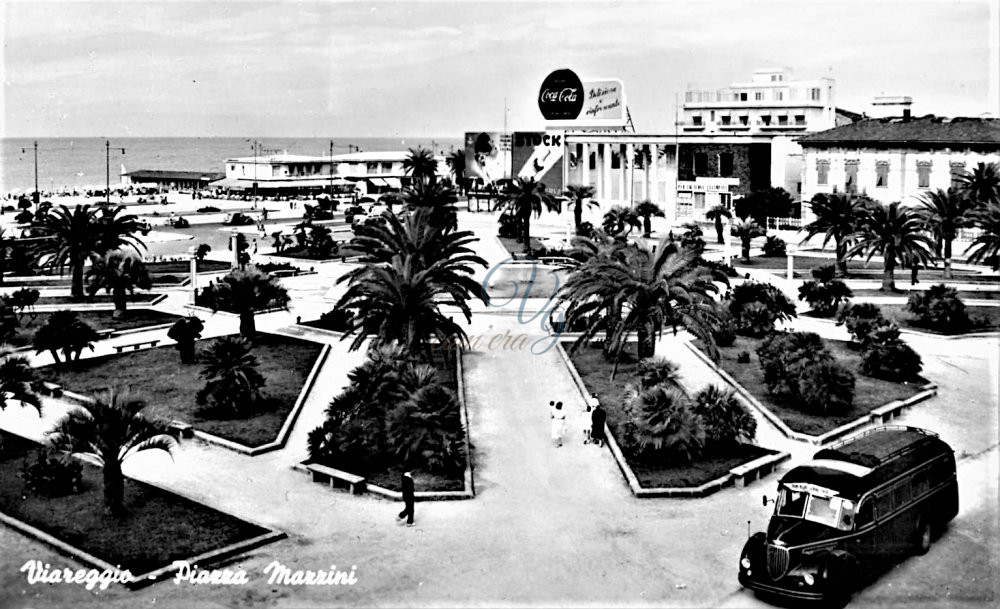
(65,164)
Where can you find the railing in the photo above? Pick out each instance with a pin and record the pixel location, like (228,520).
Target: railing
(778,223)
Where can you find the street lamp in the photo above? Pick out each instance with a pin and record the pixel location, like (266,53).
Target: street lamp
(36,195)
(107,170)
(193,253)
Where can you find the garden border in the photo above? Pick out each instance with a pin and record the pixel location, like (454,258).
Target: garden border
(469,478)
(209,311)
(738,476)
(145,579)
(880,414)
(920,333)
(96,306)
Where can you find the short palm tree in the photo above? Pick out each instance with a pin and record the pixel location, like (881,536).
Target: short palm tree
(986,247)
(635,291)
(646,210)
(65,332)
(746,230)
(620,219)
(580,195)
(437,197)
(425,429)
(84,233)
(943,213)
(982,185)
(524,197)
(119,272)
(836,217)
(456,162)
(895,233)
(666,426)
(109,430)
(245,292)
(233,382)
(717,213)
(17,383)
(421,165)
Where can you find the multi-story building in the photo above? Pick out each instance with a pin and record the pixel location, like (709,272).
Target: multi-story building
(896,159)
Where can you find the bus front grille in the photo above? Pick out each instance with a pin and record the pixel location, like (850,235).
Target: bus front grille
(777,561)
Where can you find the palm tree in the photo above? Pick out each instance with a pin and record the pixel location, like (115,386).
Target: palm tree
(119,272)
(109,430)
(185,332)
(986,247)
(579,194)
(665,424)
(456,162)
(836,218)
(436,196)
(944,212)
(421,165)
(982,185)
(746,230)
(425,428)
(646,210)
(82,234)
(17,382)
(618,218)
(64,331)
(233,379)
(245,292)
(717,213)
(895,233)
(412,269)
(526,196)
(649,291)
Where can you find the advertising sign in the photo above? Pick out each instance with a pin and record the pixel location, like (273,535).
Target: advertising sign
(566,101)
(539,155)
(561,96)
(487,156)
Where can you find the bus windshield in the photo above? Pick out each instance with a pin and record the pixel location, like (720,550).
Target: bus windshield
(830,511)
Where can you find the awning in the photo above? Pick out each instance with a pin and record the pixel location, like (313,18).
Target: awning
(394,183)
(377,182)
(245,184)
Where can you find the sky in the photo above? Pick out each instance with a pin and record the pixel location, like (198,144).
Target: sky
(387,69)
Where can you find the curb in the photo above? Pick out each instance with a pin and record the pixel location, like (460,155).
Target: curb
(738,476)
(922,334)
(879,414)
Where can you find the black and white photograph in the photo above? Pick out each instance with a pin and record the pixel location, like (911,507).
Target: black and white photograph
(338,303)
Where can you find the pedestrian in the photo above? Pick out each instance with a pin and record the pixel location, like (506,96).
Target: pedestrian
(587,426)
(406,482)
(597,418)
(558,423)
(255,246)
(914,269)
(263,214)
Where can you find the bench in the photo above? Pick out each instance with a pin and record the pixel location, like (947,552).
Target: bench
(355,483)
(51,389)
(136,346)
(180,429)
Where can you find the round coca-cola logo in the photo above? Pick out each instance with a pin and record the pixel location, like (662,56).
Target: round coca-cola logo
(561,96)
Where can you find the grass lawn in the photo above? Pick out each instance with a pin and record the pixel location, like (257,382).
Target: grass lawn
(983,318)
(869,393)
(98,320)
(183,267)
(171,387)
(995,295)
(857,269)
(159,528)
(101,298)
(596,371)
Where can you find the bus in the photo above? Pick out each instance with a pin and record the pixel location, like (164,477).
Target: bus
(855,509)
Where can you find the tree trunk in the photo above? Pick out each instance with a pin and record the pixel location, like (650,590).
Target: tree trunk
(888,280)
(186,348)
(947,258)
(526,232)
(248,327)
(114,485)
(578,215)
(718,230)
(55,356)
(647,226)
(841,262)
(746,250)
(647,342)
(120,298)
(77,269)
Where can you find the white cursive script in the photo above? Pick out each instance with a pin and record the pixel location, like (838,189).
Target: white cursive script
(568,94)
(42,573)
(280,574)
(193,575)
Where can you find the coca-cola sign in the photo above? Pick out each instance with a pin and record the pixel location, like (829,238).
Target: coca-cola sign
(561,96)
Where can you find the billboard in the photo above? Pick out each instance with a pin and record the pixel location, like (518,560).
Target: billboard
(487,156)
(564,100)
(539,155)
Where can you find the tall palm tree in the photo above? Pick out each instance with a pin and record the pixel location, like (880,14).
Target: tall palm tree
(986,247)
(65,332)
(17,382)
(717,213)
(982,184)
(456,162)
(746,230)
(82,234)
(579,194)
(646,210)
(649,290)
(421,165)
(233,379)
(620,219)
(119,272)
(412,269)
(526,196)
(895,233)
(436,196)
(836,218)
(245,292)
(109,430)
(943,213)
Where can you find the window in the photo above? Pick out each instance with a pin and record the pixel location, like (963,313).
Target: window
(696,120)
(901,494)
(713,116)
(232,168)
(699,200)
(727,120)
(744,120)
(882,174)
(726,165)
(865,513)
(851,176)
(386,167)
(814,94)
(883,505)
(759,95)
(779,95)
(923,174)
(921,482)
(371,167)
(274,171)
(700,164)
(800,119)
(743,96)
(766,120)
(957,171)
(822,172)
(782,120)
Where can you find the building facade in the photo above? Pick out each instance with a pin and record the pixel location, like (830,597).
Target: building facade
(896,159)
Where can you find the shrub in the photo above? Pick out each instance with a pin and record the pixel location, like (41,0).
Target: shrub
(860,319)
(756,307)
(825,294)
(725,419)
(798,367)
(53,474)
(181,222)
(725,332)
(510,226)
(233,380)
(425,430)
(774,247)
(655,371)
(665,427)
(887,356)
(586,230)
(825,387)
(336,320)
(939,308)
(743,357)
(208,209)
(720,270)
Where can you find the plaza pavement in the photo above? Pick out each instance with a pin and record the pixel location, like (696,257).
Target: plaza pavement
(549,526)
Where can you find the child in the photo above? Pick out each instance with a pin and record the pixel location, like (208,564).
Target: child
(587,424)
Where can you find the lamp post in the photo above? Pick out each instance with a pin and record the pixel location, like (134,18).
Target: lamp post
(107,171)
(255,145)
(36,196)
(790,251)
(727,253)
(193,253)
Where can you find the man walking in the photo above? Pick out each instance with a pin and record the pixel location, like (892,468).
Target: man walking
(406,482)
(598,417)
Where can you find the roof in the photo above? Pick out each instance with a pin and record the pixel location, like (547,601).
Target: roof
(160,174)
(854,116)
(930,129)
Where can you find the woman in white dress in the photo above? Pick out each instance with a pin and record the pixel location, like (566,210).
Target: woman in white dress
(558,423)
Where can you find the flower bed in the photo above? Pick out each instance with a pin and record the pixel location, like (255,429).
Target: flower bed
(96,319)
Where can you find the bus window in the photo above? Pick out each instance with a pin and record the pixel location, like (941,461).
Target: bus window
(865,513)
(921,482)
(883,504)
(901,493)
(792,503)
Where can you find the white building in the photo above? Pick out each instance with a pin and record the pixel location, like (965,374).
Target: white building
(896,159)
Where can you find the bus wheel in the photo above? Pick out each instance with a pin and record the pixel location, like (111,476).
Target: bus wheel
(924,535)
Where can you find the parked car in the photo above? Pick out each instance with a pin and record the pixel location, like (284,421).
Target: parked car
(851,512)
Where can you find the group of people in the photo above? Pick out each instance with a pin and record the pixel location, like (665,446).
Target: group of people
(593,425)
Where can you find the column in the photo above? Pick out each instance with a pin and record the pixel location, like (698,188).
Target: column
(654,188)
(606,159)
(645,172)
(630,176)
(621,172)
(599,181)
(584,164)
